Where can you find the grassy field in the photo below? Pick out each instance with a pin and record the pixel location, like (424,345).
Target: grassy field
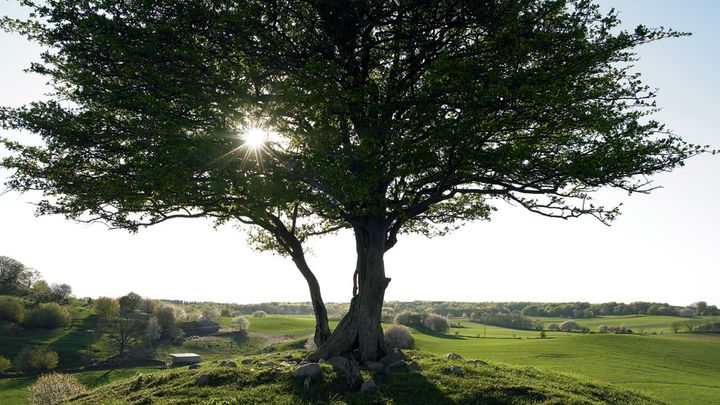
(677,368)
(433,384)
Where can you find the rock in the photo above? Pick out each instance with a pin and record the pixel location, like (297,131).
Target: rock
(478,362)
(247,361)
(194,366)
(288,363)
(368,385)
(375,366)
(414,366)
(353,378)
(392,357)
(222,363)
(322,361)
(263,364)
(203,380)
(230,364)
(452,356)
(310,371)
(455,370)
(398,367)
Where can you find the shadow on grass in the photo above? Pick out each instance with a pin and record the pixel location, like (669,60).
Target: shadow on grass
(73,345)
(410,388)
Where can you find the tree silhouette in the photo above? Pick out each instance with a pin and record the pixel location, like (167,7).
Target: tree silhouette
(300,118)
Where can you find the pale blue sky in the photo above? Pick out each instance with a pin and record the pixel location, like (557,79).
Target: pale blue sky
(663,248)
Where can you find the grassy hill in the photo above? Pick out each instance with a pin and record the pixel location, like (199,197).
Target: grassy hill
(676,368)
(434,384)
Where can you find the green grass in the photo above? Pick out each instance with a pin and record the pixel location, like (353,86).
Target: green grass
(679,369)
(15,390)
(74,344)
(434,384)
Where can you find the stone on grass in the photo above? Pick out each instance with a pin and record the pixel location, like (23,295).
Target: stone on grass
(230,364)
(349,368)
(455,370)
(478,362)
(375,366)
(397,367)
(452,356)
(392,357)
(194,366)
(263,364)
(203,380)
(368,385)
(308,371)
(247,361)
(414,366)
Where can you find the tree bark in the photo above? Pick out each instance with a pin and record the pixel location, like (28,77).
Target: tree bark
(322,328)
(360,329)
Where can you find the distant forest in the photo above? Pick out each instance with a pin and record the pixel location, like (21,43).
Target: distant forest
(487,312)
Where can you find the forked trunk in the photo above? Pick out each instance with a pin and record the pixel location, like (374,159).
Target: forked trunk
(360,328)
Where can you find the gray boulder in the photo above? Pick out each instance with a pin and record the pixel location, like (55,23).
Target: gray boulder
(229,364)
(393,357)
(375,366)
(368,385)
(455,370)
(310,371)
(452,356)
(194,366)
(203,380)
(398,367)
(353,378)
(478,362)
(247,361)
(414,366)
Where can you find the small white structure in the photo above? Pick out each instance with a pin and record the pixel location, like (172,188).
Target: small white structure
(184,358)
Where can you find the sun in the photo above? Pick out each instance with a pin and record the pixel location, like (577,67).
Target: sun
(255,138)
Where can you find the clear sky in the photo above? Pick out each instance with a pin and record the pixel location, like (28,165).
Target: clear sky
(665,246)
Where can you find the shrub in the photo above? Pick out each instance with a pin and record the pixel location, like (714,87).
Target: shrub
(686,312)
(11,309)
(241,322)
(408,318)
(399,337)
(34,358)
(553,327)
(603,329)
(259,314)
(568,326)
(4,364)
(48,316)
(436,323)
(54,389)
(107,308)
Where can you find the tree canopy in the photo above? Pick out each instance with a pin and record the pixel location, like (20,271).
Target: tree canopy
(386,117)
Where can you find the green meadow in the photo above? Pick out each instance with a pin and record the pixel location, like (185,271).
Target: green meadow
(675,368)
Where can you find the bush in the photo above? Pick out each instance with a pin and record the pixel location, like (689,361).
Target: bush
(436,323)
(48,316)
(107,308)
(11,309)
(603,329)
(54,389)
(399,337)
(553,327)
(259,314)
(4,364)
(408,318)
(34,358)
(241,322)
(568,326)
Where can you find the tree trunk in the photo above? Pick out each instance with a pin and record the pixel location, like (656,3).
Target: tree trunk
(322,328)
(360,328)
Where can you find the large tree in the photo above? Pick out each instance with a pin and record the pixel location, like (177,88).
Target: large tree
(300,118)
